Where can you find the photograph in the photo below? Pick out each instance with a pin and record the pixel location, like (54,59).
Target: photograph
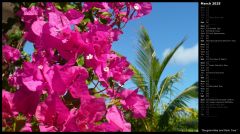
(117,67)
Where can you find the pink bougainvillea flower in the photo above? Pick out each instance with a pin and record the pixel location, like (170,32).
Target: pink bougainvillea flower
(33,34)
(52,112)
(118,69)
(14,79)
(102,5)
(71,122)
(99,33)
(27,127)
(50,7)
(29,77)
(93,60)
(31,84)
(43,128)
(7,110)
(45,57)
(105,127)
(61,79)
(73,78)
(49,38)
(142,8)
(90,57)
(58,21)
(138,104)
(115,33)
(103,74)
(32,69)
(74,16)
(26,101)
(116,118)
(116,6)
(55,31)
(57,68)
(79,87)
(91,110)
(29,15)
(70,49)
(10,54)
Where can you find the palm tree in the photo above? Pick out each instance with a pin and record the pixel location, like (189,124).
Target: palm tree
(147,78)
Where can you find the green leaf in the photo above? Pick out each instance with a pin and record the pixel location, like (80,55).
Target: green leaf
(35,124)
(68,7)
(85,21)
(88,82)
(80,61)
(89,15)
(25,56)
(106,14)
(58,6)
(95,9)
(19,122)
(32,4)
(103,21)
(16,35)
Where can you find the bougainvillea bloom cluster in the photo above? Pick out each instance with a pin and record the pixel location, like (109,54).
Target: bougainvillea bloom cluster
(74,81)
(10,54)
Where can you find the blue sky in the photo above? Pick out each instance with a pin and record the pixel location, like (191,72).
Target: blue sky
(167,24)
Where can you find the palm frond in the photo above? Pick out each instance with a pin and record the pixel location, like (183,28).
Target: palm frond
(155,75)
(186,110)
(143,62)
(139,80)
(145,42)
(148,63)
(167,84)
(145,53)
(178,102)
(169,56)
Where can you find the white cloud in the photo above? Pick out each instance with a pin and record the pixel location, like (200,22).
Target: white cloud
(183,55)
